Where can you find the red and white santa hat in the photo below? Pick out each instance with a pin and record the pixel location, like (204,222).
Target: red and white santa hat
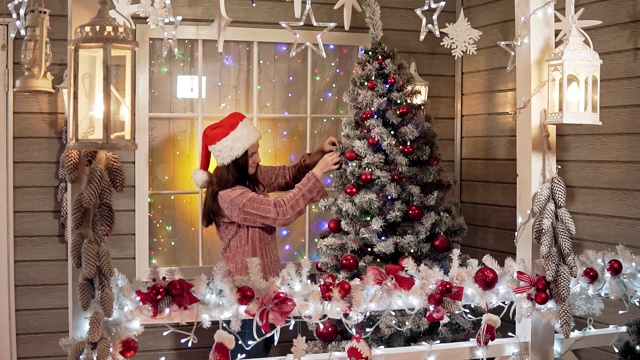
(221,349)
(227,140)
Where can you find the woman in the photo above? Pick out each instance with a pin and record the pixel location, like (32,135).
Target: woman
(237,200)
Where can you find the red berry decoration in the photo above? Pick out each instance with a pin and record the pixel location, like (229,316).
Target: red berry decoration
(486,278)
(409,150)
(441,244)
(350,155)
(380,61)
(414,212)
(175,288)
(327,331)
(373,142)
(319,268)
(156,292)
(435,299)
(128,347)
(371,84)
(366,115)
(445,288)
(542,284)
(615,267)
(403,110)
(335,225)
(351,190)
(366,177)
(245,295)
(591,274)
(349,262)
(395,177)
(541,297)
(434,161)
(344,288)
(391,80)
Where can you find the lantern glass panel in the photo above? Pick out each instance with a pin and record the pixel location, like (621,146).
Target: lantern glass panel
(555,91)
(121,93)
(90,101)
(595,95)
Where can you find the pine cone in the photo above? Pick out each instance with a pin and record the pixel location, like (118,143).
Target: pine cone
(76,249)
(95,327)
(91,191)
(106,267)
(538,229)
(77,350)
(573,267)
(547,242)
(562,286)
(64,132)
(542,198)
(451,306)
(79,213)
(563,239)
(89,157)
(106,194)
(549,212)
(103,282)
(567,220)
(89,259)
(106,302)
(566,319)
(551,261)
(62,191)
(559,191)
(104,349)
(64,212)
(70,165)
(103,221)
(86,293)
(164,304)
(115,172)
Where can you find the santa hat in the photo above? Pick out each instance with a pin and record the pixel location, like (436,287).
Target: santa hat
(227,140)
(221,349)
(358,349)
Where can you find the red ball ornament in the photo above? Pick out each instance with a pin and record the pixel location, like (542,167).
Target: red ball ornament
(245,295)
(402,259)
(403,110)
(445,288)
(441,244)
(615,267)
(371,84)
(542,284)
(435,299)
(434,161)
(486,278)
(319,268)
(175,288)
(349,262)
(366,115)
(395,177)
(366,177)
(409,150)
(344,288)
(380,61)
(326,291)
(128,347)
(327,331)
(351,190)
(156,292)
(373,142)
(391,80)
(414,212)
(591,274)
(350,155)
(335,225)
(541,297)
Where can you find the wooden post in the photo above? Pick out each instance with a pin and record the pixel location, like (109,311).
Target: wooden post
(537,36)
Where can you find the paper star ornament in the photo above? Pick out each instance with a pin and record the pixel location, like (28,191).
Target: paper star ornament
(123,11)
(430,4)
(571,19)
(461,37)
(348,6)
(320,47)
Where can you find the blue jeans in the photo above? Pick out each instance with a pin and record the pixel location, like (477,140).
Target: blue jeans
(258,350)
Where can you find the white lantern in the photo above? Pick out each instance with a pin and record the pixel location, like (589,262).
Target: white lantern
(420,84)
(35,54)
(574,82)
(101,115)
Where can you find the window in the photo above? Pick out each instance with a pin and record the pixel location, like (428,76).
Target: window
(294,102)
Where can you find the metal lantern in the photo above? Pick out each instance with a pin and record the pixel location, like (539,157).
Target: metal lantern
(101,113)
(35,54)
(574,82)
(63,90)
(420,84)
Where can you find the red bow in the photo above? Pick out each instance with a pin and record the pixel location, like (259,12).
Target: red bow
(273,307)
(526,278)
(392,275)
(456,292)
(180,291)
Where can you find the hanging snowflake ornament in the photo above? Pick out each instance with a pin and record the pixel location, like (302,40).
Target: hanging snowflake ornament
(123,11)
(295,48)
(461,37)
(348,6)
(430,4)
(299,348)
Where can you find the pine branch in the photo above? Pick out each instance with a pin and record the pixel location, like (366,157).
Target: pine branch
(372,19)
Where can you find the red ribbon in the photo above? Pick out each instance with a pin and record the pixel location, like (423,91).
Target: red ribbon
(273,308)
(526,278)
(390,273)
(186,298)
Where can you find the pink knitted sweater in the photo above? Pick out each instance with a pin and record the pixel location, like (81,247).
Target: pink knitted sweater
(248,228)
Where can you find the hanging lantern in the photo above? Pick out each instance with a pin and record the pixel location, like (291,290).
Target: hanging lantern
(574,82)
(35,54)
(102,83)
(420,84)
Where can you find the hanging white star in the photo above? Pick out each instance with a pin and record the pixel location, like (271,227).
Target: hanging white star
(461,37)
(511,49)
(299,348)
(570,19)
(297,7)
(170,39)
(347,9)
(307,12)
(123,11)
(220,24)
(430,4)
(18,17)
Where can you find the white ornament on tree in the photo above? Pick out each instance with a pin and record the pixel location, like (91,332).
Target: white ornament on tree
(307,12)
(123,11)
(348,5)
(461,37)
(430,4)
(299,348)
(220,24)
(570,19)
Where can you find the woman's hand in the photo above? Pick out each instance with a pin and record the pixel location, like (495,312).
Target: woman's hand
(326,147)
(328,163)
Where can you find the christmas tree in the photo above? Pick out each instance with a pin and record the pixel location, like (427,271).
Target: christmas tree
(630,350)
(390,202)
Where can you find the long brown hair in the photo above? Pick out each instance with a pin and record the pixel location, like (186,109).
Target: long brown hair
(225,177)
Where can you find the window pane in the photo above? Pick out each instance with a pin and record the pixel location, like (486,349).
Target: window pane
(164,73)
(291,239)
(228,77)
(283,140)
(331,77)
(282,81)
(172,153)
(173,230)
(318,221)
(212,248)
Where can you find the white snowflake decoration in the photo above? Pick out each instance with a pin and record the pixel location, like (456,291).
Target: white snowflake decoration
(123,11)
(299,348)
(461,37)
